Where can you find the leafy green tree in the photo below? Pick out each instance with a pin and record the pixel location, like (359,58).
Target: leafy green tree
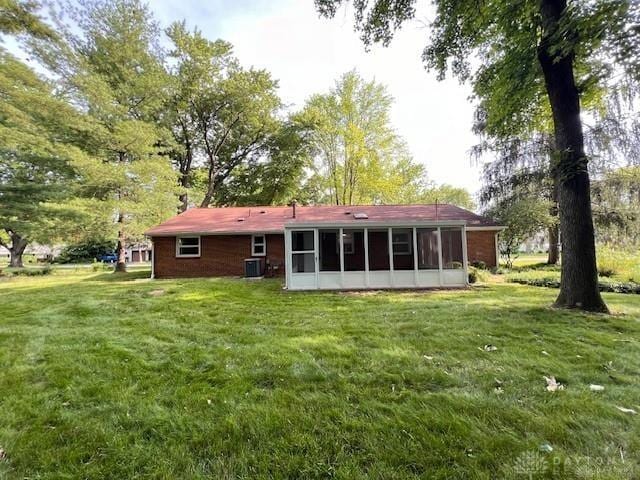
(277,176)
(40,145)
(447,194)
(523,218)
(110,62)
(21,17)
(617,207)
(359,158)
(221,113)
(537,61)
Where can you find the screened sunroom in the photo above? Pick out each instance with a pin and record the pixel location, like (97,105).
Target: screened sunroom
(357,256)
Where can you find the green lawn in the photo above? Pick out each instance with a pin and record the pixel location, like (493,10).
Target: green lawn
(110,376)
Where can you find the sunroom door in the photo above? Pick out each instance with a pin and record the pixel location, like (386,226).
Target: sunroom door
(304,259)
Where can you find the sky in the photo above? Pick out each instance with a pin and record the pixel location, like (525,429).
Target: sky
(307,54)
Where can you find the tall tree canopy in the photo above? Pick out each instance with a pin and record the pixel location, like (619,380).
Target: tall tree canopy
(40,147)
(111,65)
(359,157)
(225,120)
(20,17)
(537,60)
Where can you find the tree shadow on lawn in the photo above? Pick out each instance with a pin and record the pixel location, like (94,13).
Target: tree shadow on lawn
(120,276)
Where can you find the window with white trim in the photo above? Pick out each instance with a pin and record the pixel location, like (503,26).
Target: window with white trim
(402,241)
(258,245)
(187,247)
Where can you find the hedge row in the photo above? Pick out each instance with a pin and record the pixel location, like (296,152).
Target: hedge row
(603,286)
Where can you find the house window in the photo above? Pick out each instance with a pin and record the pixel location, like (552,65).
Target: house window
(347,242)
(187,246)
(402,248)
(258,245)
(402,241)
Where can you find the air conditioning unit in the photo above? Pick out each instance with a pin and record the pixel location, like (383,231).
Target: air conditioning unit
(252,267)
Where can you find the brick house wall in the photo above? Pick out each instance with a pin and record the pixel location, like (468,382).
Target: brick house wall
(481,246)
(224,255)
(220,256)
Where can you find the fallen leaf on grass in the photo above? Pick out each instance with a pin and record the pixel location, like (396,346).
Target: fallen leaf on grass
(545,353)
(427,357)
(553,385)
(156,293)
(3,455)
(627,410)
(488,348)
(546,448)
(596,388)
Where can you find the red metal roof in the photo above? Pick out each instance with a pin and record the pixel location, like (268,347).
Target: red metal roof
(227,220)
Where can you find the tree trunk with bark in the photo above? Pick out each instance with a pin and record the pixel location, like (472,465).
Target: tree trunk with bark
(16,249)
(121,248)
(579,278)
(554,250)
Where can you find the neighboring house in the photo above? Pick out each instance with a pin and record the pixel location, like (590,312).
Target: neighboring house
(327,247)
(138,253)
(42,253)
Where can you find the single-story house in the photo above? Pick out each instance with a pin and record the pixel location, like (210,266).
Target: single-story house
(138,253)
(327,247)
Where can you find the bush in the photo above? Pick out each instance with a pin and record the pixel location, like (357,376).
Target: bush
(97,266)
(473,275)
(32,272)
(479,264)
(476,275)
(85,251)
(614,287)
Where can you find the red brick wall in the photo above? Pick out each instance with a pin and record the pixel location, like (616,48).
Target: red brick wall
(223,255)
(220,256)
(481,246)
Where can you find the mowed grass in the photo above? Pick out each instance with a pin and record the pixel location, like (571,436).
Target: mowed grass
(116,376)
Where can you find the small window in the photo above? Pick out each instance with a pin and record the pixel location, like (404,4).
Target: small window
(188,247)
(402,241)
(347,243)
(258,245)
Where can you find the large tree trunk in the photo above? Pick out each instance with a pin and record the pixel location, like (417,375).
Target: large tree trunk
(121,249)
(554,250)
(16,249)
(579,278)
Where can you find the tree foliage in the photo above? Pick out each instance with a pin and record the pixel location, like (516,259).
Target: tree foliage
(523,218)
(358,157)
(40,148)
(617,207)
(111,66)
(18,17)
(225,120)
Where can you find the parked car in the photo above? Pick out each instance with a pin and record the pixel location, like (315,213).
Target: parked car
(108,257)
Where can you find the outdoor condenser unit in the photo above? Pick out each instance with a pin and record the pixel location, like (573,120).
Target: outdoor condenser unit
(252,267)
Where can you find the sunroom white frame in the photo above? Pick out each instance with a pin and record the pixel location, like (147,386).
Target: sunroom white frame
(372,279)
